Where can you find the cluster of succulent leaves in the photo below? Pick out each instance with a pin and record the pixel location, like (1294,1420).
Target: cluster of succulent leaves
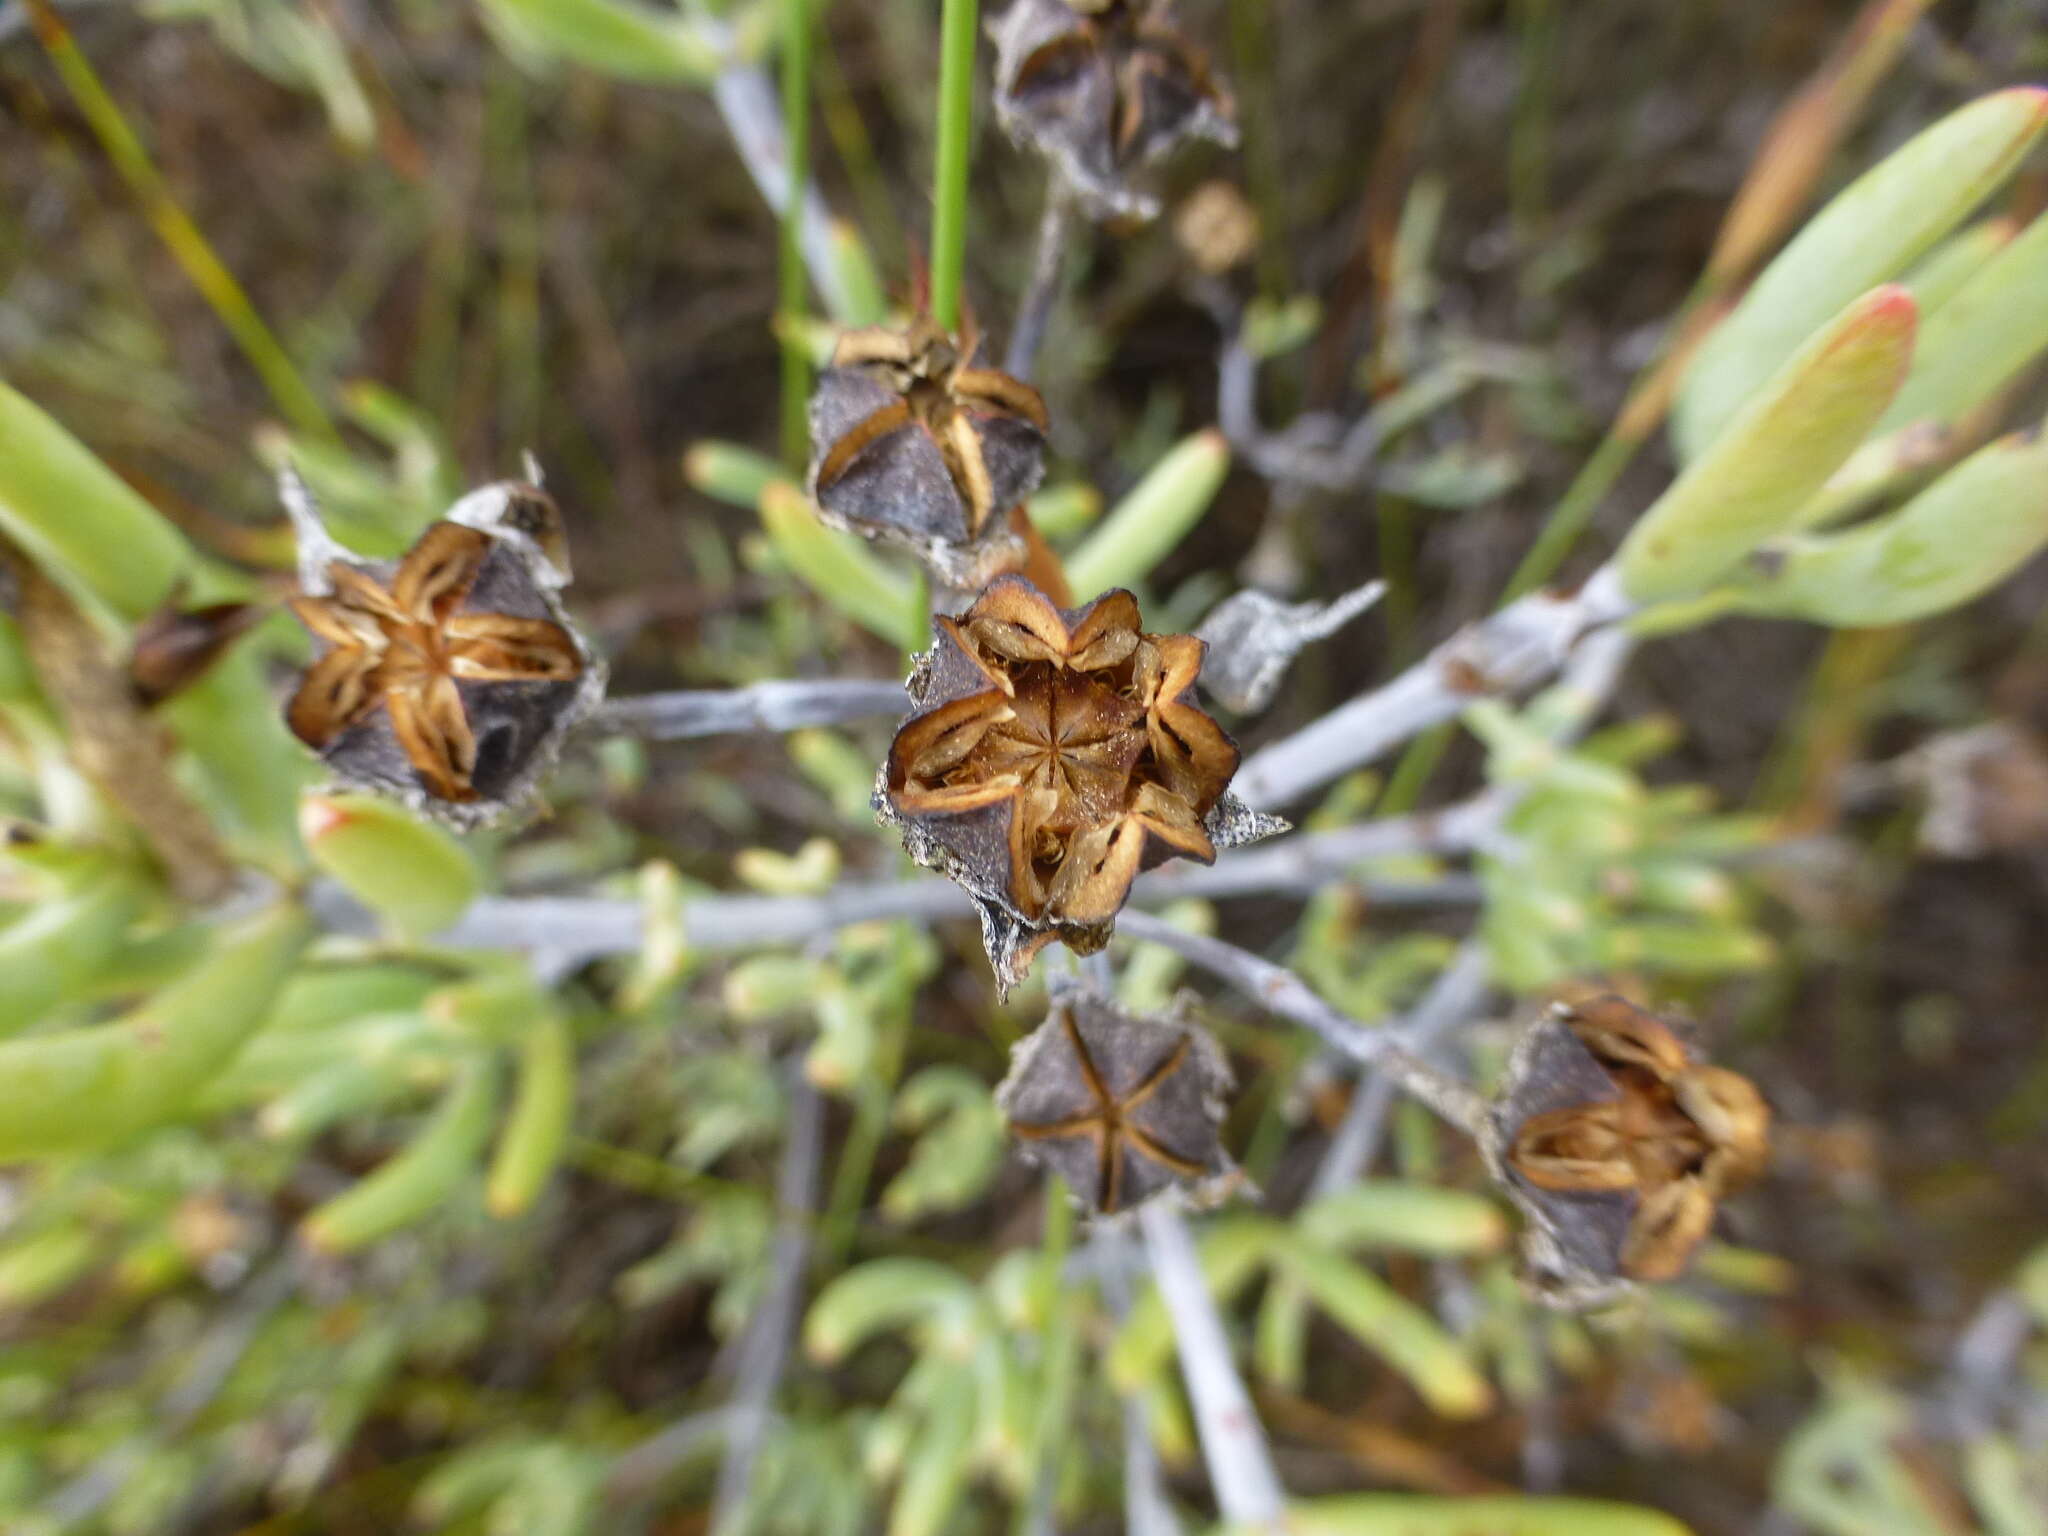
(172,1080)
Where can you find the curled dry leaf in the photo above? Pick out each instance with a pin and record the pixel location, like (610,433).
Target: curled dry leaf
(1055,755)
(1123,1107)
(1619,1146)
(1103,88)
(448,677)
(914,443)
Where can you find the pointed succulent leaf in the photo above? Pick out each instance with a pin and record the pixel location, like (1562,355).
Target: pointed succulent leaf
(1414,1514)
(730,472)
(621,38)
(1939,275)
(1869,234)
(55,951)
(78,519)
(537,1129)
(839,568)
(414,875)
(1977,343)
(1144,527)
(1777,453)
(1957,539)
(1382,1319)
(1417,1218)
(97,1086)
(417,1181)
(882,1295)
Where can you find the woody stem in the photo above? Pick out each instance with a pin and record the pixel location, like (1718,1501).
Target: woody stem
(1280,991)
(778,705)
(1514,650)
(1034,310)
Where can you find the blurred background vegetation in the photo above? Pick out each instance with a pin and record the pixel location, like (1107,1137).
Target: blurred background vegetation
(450,244)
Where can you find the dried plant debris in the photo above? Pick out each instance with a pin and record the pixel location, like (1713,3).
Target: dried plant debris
(450,677)
(1986,789)
(1102,89)
(1054,755)
(914,443)
(1618,1145)
(1254,637)
(1121,1106)
(176,646)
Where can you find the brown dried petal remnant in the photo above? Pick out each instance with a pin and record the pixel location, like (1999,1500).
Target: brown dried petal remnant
(447,677)
(1619,1145)
(1122,1107)
(1054,756)
(914,443)
(1103,88)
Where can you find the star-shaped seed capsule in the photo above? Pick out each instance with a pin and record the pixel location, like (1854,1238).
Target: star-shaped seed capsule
(1054,756)
(1122,1107)
(1620,1145)
(1103,88)
(913,442)
(448,676)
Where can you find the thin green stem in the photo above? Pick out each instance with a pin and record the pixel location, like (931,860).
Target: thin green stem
(956,127)
(1569,518)
(794,294)
(218,286)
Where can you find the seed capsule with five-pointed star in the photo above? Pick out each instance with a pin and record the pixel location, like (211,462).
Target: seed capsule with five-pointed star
(449,677)
(915,443)
(1054,756)
(1103,88)
(1619,1145)
(1123,1107)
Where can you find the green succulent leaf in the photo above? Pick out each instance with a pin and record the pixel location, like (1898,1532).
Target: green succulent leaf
(1977,343)
(1404,1514)
(537,1130)
(415,876)
(419,1180)
(1385,1321)
(1777,453)
(78,519)
(1142,529)
(1957,539)
(841,569)
(1887,219)
(620,38)
(55,952)
(97,1086)
(880,1296)
(1413,1217)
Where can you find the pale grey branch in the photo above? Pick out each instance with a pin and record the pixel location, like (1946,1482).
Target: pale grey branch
(1248,1490)
(779,705)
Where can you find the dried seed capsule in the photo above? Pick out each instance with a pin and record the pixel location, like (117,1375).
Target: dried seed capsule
(1055,754)
(1618,1146)
(1103,88)
(914,443)
(1122,1107)
(450,677)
